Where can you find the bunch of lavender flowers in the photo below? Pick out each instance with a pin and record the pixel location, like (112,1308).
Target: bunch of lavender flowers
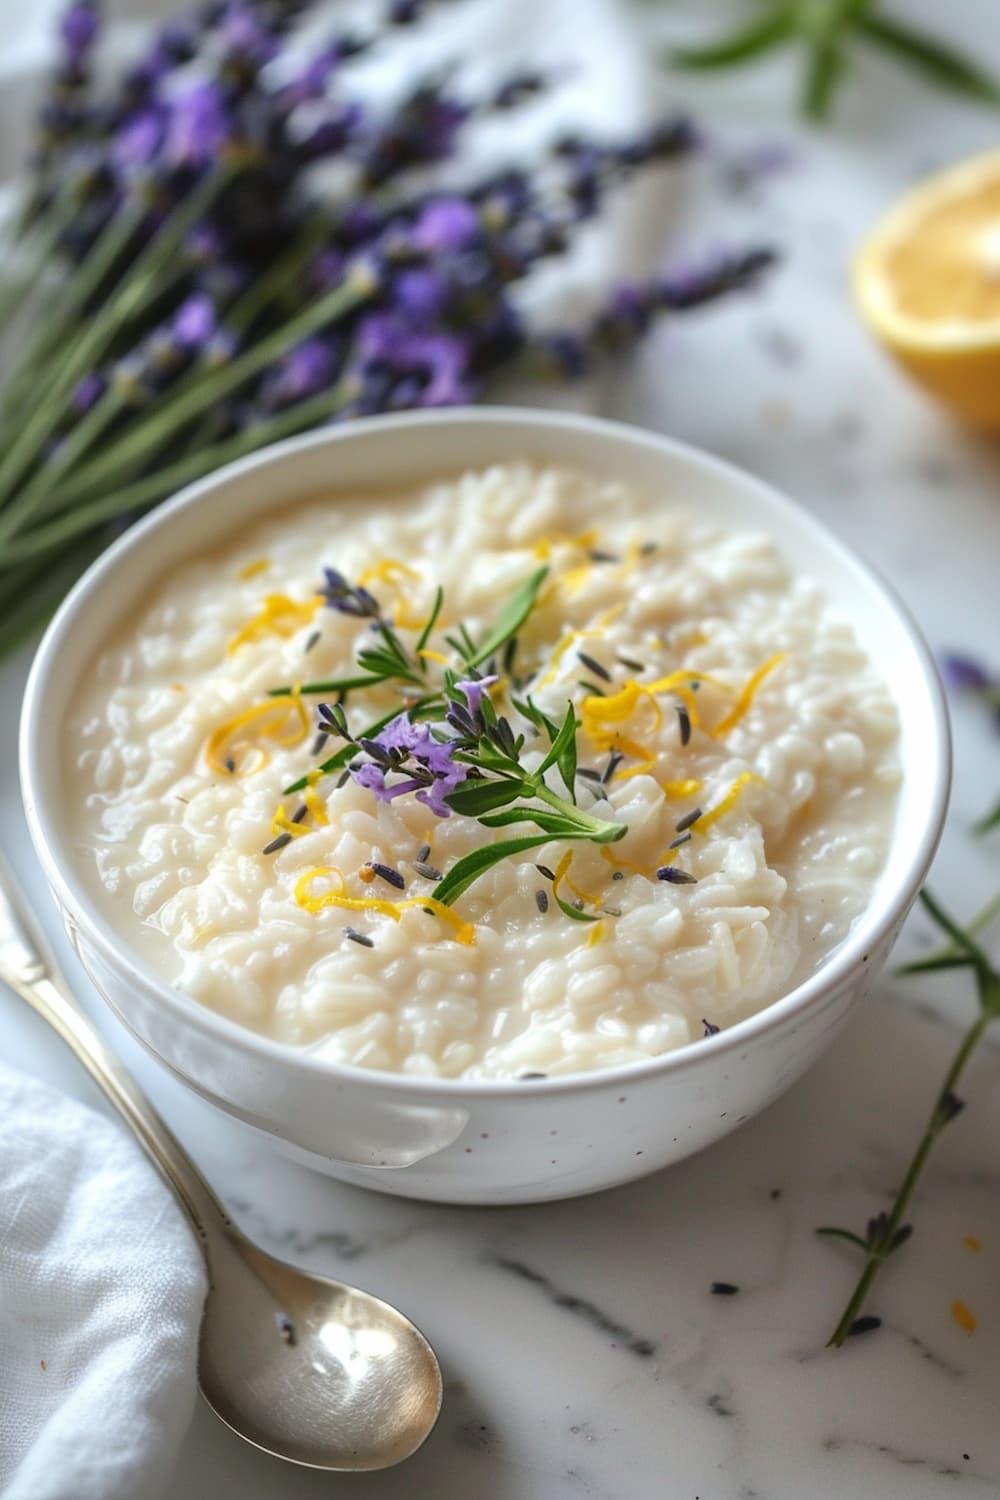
(181,290)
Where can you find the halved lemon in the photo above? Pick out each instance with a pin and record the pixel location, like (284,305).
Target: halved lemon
(927,283)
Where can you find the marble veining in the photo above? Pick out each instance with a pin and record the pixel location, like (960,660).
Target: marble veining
(585,1353)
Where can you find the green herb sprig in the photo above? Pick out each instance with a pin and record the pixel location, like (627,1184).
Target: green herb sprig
(480,752)
(826,30)
(886,1232)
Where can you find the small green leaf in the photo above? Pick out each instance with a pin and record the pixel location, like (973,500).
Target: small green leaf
(989,822)
(474,798)
(528,709)
(937,61)
(512,617)
(556,824)
(330,685)
(574,912)
(563,752)
(775,26)
(469,868)
(432,620)
(938,961)
(958,935)
(831,1233)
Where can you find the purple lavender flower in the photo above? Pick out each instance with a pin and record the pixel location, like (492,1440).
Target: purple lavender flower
(199,127)
(420,294)
(409,747)
(89,391)
(474,688)
(194,322)
(138,139)
(440,361)
(304,372)
(446,224)
(78,31)
(339,595)
(244,33)
(964,673)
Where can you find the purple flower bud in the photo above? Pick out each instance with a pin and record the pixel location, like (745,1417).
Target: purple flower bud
(304,372)
(420,294)
(964,673)
(78,30)
(138,140)
(474,688)
(204,243)
(194,322)
(90,390)
(199,127)
(446,224)
(243,32)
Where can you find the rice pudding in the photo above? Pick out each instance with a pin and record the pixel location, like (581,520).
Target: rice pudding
(521,772)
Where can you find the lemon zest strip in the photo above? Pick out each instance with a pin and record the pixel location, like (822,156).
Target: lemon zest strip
(279,615)
(624,864)
(437,656)
(253,569)
(745,698)
(464,931)
(316,806)
(221,744)
(595,934)
(386,571)
(725,802)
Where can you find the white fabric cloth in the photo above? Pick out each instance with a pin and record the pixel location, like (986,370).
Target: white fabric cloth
(101,1283)
(101,1289)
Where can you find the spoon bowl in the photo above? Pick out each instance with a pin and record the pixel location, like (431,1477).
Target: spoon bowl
(309,1369)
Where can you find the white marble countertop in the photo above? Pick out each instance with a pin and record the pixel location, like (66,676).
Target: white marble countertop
(583,1352)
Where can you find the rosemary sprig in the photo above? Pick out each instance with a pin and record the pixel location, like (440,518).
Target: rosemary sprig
(886,1232)
(825,31)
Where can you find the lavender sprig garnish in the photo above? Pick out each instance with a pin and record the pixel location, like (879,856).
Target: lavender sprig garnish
(886,1232)
(450,749)
(202,297)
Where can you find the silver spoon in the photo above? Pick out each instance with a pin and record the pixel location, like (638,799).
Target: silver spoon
(308,1369)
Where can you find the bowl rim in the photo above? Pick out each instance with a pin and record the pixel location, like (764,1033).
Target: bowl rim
(847,957)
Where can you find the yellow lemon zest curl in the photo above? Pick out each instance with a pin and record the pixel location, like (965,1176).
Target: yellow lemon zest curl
(726,801)
(745,698)
(386,571)
(427,654)
(278,615)
(283,722)
(595,934)
(545,544)
(462,931)
(254,569)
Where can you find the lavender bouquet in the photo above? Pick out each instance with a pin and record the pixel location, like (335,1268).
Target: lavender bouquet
(183,285)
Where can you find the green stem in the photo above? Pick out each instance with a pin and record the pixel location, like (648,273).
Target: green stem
(597,829)
(76,291)
(143,439)
(983,919)
(74,445)
(142,277)
(938,1120)
(37,247)
(162,482)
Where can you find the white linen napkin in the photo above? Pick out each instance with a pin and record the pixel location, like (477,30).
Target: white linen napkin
(101,1290)
(101,1283)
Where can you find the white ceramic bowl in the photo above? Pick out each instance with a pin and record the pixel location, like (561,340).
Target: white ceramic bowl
(489,1142)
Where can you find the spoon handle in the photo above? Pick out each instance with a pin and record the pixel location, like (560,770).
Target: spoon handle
(26,968)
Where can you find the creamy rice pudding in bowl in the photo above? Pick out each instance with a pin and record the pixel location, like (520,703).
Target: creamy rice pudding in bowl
(487,805)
